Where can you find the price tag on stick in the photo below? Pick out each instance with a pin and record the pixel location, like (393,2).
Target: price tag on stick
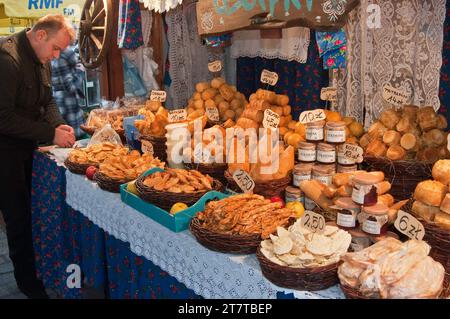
(244,181)
(313,221)
(177,115)
(328,94)
(409,225)
(215,66)
(271,119)
(147,147)
(270,78)
(212,113)
(312,116)
(159,96)
(353,152)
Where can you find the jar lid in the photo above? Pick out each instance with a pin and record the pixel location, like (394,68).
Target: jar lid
(306,145)
(368,178)
(336,124)
(346,203)
(378,209)
(314,124)
(303,167)
(326,147)
(324,169)
(347,168)
(293,190)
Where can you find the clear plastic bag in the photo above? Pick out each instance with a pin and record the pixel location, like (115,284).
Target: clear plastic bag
(97,118)
(105,134)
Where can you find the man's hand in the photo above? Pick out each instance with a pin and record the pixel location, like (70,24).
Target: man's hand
(64,136)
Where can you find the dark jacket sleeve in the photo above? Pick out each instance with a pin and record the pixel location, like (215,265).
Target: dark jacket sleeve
(12,124)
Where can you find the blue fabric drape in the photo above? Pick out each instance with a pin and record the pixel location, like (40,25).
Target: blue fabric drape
(444,92)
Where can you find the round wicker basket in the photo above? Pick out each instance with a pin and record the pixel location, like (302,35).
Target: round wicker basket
(159,146)
(77,168)
(215,170)
(107,183)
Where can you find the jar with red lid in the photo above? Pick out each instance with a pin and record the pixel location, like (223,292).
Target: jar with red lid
(314,131)
(347,215)
(374,219)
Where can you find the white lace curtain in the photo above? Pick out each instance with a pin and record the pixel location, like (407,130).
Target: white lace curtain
(406,53)
(160,5)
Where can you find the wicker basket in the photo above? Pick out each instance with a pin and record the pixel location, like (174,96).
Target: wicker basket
(403,175)
(107,183)
(267,189)
(352,293)
(311,279)
(165,200)
(159,146)
(77,168)
(225,243)
(91,130)
(215,170)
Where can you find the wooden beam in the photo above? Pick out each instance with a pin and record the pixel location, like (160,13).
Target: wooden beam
(156,42)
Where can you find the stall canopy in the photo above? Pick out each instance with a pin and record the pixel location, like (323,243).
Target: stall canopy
(18,14)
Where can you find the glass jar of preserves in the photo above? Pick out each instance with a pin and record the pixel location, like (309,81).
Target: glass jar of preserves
(307,152)
(309,203)
(374,219)
(347,168)
(360,240)
(335,132)
(294,194)
(326,153)
(364,189)
(323,173)
(302,172)
(314,131)
(347,213)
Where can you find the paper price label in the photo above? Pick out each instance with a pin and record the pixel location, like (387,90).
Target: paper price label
(244,181)
(313,221)
(271,119)
(147,147)
(353,152)
(448,142)
(177,115)
(409,225)
(328,94)
(215,66)
(159,96)
(395,96)
(212,113)
(312,116)
(268,77)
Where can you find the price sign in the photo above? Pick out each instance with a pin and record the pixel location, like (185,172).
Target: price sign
(212,113)
(395,96)
(215,66)
(268,77)
(313,221)
(271,119)
(159,96)
(177,115)
(312,116)
(147,147)
(244,181)
(409,225)
(353,152)
(328,94)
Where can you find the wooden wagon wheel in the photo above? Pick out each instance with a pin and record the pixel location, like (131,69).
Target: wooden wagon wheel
(95,32)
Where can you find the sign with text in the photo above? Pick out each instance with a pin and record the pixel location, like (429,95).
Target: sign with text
(328,94)
(215,66)
(213,114)
(158,96)
(395,96)
(271,119)
(177,115)
(448,142)
(312,116)
(244,181)
(313,221)
(268,77)
(147,147)
(353,152)
(409,225)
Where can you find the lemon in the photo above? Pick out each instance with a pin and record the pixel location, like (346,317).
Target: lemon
(178,207)
(297,207)
(131,187)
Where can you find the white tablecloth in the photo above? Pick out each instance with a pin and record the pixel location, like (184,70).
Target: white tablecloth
(210,274)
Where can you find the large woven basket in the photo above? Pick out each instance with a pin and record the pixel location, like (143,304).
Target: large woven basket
(352,293)
(403,175)
(159,145)
(312,279)
(91,130)
(267,189)
(165,199)
(225,243)
(107,183)
(77,168)
(215,170)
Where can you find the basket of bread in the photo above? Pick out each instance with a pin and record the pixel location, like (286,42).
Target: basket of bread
(405,143)
(171,186)
(238,223)
(81,158)
(299,259)
(122,169)
(390,269)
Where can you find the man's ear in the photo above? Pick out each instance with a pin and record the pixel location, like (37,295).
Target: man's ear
(41,35)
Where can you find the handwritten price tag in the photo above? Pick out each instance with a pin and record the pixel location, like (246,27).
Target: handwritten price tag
(244,181)
(313,221)
(312,116)
(395,96)
(147,147)
(353,152)
(409,226)
(159,96)
(328,94)
(268,77)
(177,115)
(212,113)
(271,119)
(215,66)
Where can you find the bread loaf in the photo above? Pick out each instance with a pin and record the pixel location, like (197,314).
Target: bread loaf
(386,199)
(430,192)
(442,219)
(427,118)
(376,148)
(395,153)
(425,211)
(408,141)
(389,118)
(445,205)
(376,130)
